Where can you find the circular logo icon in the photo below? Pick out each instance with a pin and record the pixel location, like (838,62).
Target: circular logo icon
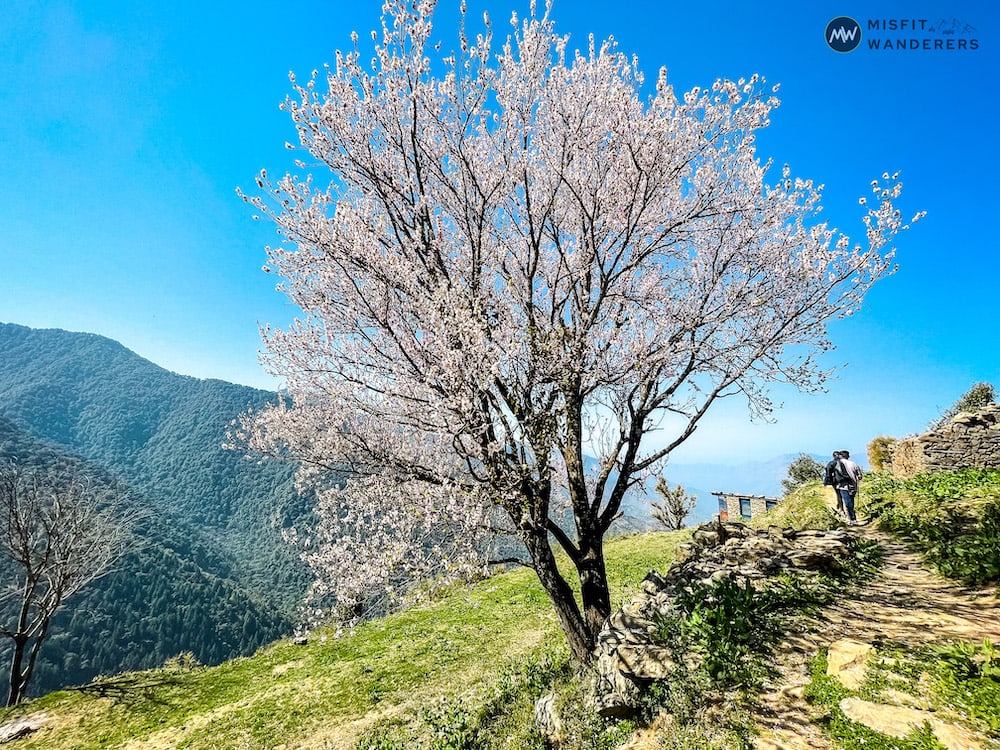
(843,34)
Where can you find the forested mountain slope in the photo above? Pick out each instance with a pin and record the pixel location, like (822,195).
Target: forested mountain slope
(163,433)
(172,593)
(215,576)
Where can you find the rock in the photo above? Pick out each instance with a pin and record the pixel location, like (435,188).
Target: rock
(705,536)
(654,583)
(784,739)
(547,720)
(22,727)
(684,552)
(646,663)
(899,721)
(814,559)
(631,623)
(777,532)
(899,698)
(847,661)
(968,439)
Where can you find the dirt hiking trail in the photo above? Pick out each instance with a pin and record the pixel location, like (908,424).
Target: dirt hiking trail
(904,602)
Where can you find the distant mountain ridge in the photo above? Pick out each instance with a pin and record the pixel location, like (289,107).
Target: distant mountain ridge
(162,432)
(217,516)
(747,477)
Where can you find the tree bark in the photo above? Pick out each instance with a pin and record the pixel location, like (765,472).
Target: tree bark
(16,682)
(594,591)
(580,636)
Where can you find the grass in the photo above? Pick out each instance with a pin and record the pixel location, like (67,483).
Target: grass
(803,508)
(826,692)
(464,671)
(952,517)
(476,646)
(958,682)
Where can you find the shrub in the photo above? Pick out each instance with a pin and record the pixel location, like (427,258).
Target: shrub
(975,398)
(880,452)
(804,508)
(801,471)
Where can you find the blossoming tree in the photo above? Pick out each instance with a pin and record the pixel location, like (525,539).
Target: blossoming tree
(518,259)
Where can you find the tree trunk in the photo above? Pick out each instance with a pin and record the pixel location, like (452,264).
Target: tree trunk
(36,646)
(16,683)
(594,591)
(580,636)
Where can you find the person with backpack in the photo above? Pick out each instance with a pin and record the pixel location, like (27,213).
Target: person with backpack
(844,475)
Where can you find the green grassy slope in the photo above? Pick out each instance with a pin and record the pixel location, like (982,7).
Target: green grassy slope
(460,672)
(473,647)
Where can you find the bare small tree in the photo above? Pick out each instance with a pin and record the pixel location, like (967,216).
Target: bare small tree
(58,533)
(676,506)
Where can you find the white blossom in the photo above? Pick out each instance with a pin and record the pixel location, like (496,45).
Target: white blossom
(516,254)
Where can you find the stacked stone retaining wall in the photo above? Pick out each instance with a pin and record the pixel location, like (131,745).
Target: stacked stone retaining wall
(968,440)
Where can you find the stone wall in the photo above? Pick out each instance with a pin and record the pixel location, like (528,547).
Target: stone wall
(628,656)
(968,440)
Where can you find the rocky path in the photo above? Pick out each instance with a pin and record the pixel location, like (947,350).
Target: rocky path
(905,603)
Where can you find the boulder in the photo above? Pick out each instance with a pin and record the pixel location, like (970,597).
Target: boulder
(22,727)
(647,662)
(547,720)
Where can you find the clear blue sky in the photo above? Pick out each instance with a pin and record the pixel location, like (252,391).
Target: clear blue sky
(125,128)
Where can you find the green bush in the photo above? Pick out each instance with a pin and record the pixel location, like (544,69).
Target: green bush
(804,508)
(975,398)
(879,452)
(728,625)
(722,634)
(967,678)
(801,471)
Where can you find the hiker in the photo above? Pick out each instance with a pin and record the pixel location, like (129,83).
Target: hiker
(844,475)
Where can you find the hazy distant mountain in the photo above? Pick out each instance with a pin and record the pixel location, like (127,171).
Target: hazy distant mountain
(163,433)
(750,477)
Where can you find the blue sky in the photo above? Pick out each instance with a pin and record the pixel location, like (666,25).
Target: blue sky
(125,128)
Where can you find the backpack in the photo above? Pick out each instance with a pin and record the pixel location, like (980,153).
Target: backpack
(841,475)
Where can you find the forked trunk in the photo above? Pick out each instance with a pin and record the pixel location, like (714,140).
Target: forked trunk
(594,592)
(581,626)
